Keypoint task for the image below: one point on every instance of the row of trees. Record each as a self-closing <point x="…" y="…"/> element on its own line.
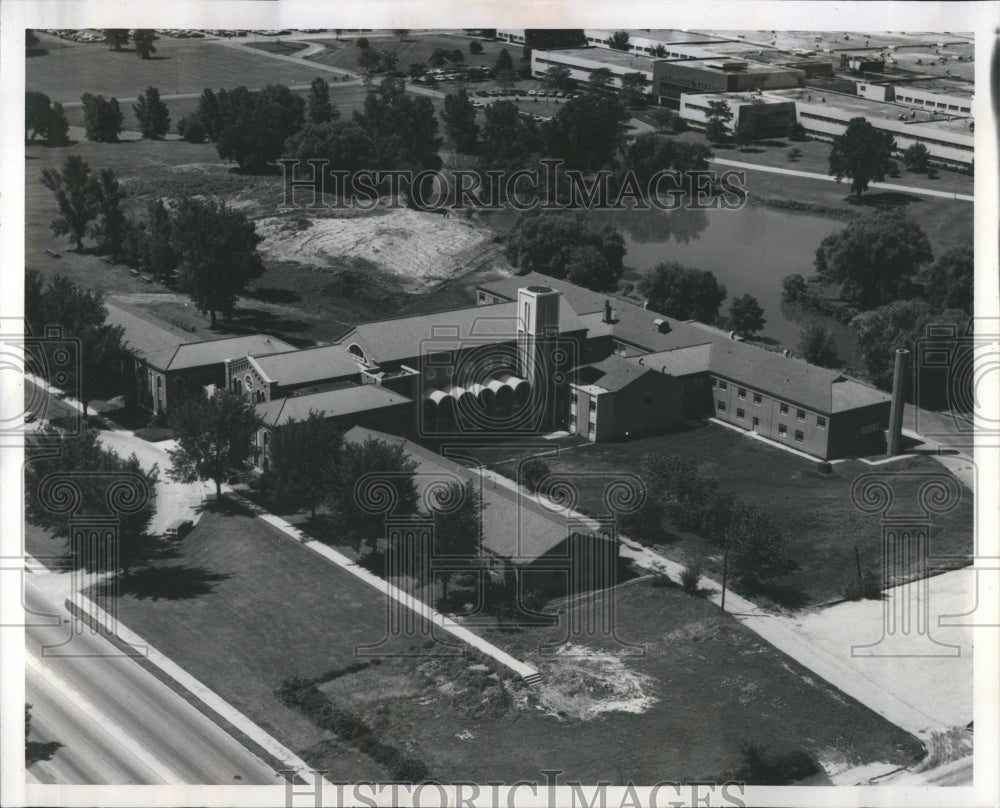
<point x="99" y="363"/>
<point x="212" y="247"/>
<point x="310" y="466"/>
<point x="678" y="496"/>
<point x="889" y="287"/>
<point x="142" y="39"/>
<point x="93" y="469"/>
<point x="42" y="117"/>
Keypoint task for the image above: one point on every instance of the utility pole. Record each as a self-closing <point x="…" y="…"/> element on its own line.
<point x="725" y="570"/>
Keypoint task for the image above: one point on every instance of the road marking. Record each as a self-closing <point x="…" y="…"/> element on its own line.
<point x="101" y="720"/>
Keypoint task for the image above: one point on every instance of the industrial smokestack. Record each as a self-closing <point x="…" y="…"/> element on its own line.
<point x="895" y="436"/>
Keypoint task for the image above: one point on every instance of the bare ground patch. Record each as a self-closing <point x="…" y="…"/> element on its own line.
<point x="417" y="248"/>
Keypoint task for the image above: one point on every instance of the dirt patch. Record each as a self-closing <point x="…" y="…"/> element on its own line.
<point x="583" y="684"/>
<point x="417" y="248"/>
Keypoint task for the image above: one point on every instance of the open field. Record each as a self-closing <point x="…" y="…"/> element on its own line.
<point x="179" y="66"/>
<point x="242" y="607"/>
<point x="681" y="711"/>
<point x="820" y="524"/>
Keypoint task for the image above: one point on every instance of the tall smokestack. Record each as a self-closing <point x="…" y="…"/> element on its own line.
<point x="895" y="437"/>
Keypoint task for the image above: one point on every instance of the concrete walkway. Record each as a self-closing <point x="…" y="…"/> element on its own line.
<point x="881" y="186"/>
<point x="830" y="660"/>
<point x="400" y="596"/>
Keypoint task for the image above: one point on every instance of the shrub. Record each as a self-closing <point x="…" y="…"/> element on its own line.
<point x="758" y="768"/>
<point x="533" y="471"/>
<point x="794" y="153"/>
<point x="410" y="770"/>
<point x="825" y="468"/>
<point x="294" y="690"/>
<point x="690" y="576"/>
<point x="475" y="47"/>
<point x="868" y="588"/>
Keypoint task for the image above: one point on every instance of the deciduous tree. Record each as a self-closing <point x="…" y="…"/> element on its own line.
<point x="545" y="242"/>
<point x="217" y="247"/>
<point x="144" y="39"/>
<point x="816" y="345"/>
<point x="57" y="128"/>
<point x="950" y="282"/>
<point x="36" y="114"/>
<point x="862" y="154"/>
<point x="152" y="114"/>
<point x="457" y="510"/>
<point x="372" y="463"/>
<point x="214" y="437"/>
<point x="320" y="108"/>
<point x="682" y="292"/>
<point x="587" y="132"/>
<point x="94" y="469"/>
<point x="460" y="122"/>
<point x="746" y="315"/>
<point x="874" y="258"/>
<point x="73" y="187"/>
<point x="102" y="118"/>
<point x="717" y="120"/>
<point x="256" y="124"/>
<point x="619" y="40"/>
<point x="116" y="38"/>
<point x="302" y="463"/>
<point x="109" y="228"/>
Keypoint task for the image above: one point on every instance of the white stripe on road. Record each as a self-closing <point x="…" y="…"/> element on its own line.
<point x="101" y="720"/>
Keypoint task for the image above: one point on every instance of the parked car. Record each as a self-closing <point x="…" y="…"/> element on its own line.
<point x="178" y="529"/>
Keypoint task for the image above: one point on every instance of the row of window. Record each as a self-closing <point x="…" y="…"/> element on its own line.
<point x="758" y="400"/>
<point x="906" y="99"/>
<point x="921" y="138"/>
<point x="741" y="415"/>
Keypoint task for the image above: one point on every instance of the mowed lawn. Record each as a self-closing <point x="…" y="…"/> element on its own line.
<point x="704" y="686"/>
<point x="179" y="66"/>
<point x="820" y="523"/>
<point x="242" y="607"/>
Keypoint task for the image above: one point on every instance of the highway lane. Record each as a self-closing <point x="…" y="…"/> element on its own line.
<point x="117" y="722"/>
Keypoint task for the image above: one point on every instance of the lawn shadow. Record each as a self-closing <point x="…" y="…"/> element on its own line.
<point x="269" y="294"/>
<point x="36" y="751"/>
<point x="788" y="596"/>
<point x="884" y="199"/>
<point x="179" y="582"/>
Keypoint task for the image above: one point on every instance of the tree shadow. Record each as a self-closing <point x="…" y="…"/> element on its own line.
<point x="884" y="199"/>
<point x="789" y="596"/>
<point x="36" y="751"/>
<point x="252" y="321"/>
<point x="270" y="294"/>
<point x="176" y="582"/>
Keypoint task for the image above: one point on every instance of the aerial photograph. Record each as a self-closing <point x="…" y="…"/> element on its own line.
<point x="552" y="407"/>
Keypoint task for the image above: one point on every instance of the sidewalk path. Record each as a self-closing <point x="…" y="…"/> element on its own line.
<point x="868" y="680"/>
<point x="883" y="186"/>
<point x="400" y="596"/>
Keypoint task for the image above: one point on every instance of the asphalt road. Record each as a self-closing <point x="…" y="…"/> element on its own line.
<point x="117" y="723"/>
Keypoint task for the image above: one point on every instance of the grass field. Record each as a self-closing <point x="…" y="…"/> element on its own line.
<point x="703" y="687"/>
<point x="242" y="607"/>
<point x="179" y="66"/>
<point x="815" y="513"/>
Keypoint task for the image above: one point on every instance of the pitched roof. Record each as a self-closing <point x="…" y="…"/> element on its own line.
<point x="611" y="374"/>
<point x="215" y="351"/>
<point x="515" y="526"/>
<point x="678" y="361"/>
<point x="334" y="403"/>
<point x="583" y="301"/>
<point x="410" y="337"/>
<point x="145" y="333"/>
<point x="307" y="365"/>
<point x="658" y="336"/>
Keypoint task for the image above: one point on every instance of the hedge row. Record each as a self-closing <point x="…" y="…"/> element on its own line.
<point x="303" y="695"/>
